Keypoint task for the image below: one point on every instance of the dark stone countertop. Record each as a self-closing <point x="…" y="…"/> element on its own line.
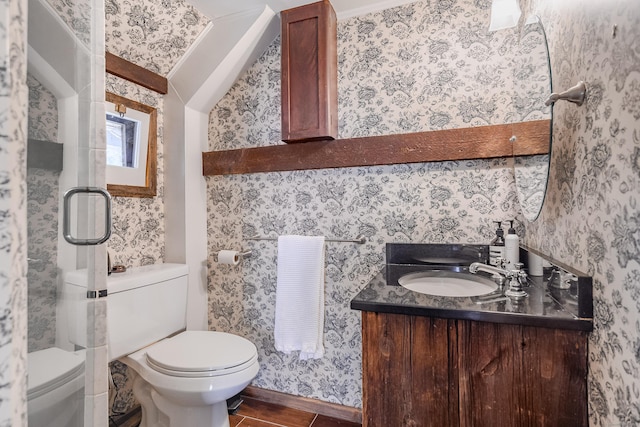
<point x="544" y="306"/>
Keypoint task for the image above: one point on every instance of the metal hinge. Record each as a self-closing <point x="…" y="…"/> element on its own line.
<point x="97" y="294"/>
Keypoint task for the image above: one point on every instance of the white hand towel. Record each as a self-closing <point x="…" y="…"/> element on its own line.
<point x="300" y="296"/>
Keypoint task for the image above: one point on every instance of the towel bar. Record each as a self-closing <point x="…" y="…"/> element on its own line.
<point x="360" y="239"/>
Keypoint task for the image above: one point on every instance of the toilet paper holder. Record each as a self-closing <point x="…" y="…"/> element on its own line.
<point x="231" y="256"/>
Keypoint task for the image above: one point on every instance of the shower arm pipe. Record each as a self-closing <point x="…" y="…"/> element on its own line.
<point x="360" y="239"/>
<point x="575" y="94"/>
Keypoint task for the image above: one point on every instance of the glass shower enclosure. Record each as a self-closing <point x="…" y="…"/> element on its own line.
<point x="67" y="226"/>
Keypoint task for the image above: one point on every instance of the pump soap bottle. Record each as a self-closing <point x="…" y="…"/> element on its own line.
<point x="497" y="248"/>
<point x="512" y="248"/>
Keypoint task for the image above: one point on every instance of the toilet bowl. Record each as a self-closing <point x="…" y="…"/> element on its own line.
<point x="181" y="378"/>
<point x="55" y="388"/>
<point x="190" y="377"/>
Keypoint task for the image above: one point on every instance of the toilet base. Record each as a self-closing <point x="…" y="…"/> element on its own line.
<point x="158" y="411"/>
<point x="211" y="415"/>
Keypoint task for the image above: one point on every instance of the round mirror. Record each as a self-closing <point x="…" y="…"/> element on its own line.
<point x="532" y="79"/>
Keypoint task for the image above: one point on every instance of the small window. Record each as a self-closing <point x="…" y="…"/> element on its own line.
<point x="131" y="147"/>
<point x="123" y="140"/>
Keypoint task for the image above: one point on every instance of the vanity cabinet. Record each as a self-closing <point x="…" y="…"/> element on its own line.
<point x="424" y="371"/>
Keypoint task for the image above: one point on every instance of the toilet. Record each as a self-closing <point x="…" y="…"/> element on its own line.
<point x="182" y="378"/>
<point x="55" y="388"/>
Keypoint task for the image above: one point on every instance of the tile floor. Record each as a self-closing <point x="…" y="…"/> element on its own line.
<point x="255" y="413"/>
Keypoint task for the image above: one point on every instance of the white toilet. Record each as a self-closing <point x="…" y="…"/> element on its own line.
<point x="182" y="379"/>
<point x="55" y="388"/>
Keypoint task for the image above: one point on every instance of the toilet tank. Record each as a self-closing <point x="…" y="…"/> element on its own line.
<point x="144" y="305"/>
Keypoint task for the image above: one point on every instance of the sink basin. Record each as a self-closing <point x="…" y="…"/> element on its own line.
<point x="448" y="283"/>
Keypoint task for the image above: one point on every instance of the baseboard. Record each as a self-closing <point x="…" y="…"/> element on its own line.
<point x="316" y="406"/>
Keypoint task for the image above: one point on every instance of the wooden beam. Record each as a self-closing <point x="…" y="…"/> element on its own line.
<point x="135" y="73"/>
<point x="532" y="138"/>
<point x="482" y="142"/>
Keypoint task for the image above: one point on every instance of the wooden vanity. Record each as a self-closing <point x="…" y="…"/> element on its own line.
<point x="444" y="362"/>
<point x="423" y="371"/>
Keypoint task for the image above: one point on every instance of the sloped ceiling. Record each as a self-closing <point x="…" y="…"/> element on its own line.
<point x="344" y="8"/>
<point x="156" y="34"/>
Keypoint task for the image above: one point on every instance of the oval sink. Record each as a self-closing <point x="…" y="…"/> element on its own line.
<point x="447" y="283"/>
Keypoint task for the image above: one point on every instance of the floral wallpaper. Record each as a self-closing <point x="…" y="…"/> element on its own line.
<point x="42" y="223"/>
<point x="43" y="112"/>
<point x="13" y="206"/>
<point x="153" y="34"/>
<point x="426" y="65"/>
<point x="591" y="218"/>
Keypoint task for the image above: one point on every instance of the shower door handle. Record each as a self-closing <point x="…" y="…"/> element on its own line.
<point x="66" y="216"/>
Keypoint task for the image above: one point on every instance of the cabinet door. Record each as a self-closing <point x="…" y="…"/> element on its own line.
<point x="406" y="380"/>
<point x="521" y="376"/>
<point x="309" y="73"/>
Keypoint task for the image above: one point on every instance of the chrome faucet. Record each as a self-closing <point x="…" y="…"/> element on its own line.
<point x="478" y="266"/>
<point x="517" y="278"/>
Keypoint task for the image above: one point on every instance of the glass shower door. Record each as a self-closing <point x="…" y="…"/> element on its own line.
<point x="65" y="151"/>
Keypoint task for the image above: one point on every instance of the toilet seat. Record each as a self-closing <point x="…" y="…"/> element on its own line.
<point x="201" y="354"/>
<point x="51" y="368"/>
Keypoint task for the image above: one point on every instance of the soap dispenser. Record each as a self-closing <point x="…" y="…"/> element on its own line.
<point x="512" y="248"/>
<point x="497" y="247"/>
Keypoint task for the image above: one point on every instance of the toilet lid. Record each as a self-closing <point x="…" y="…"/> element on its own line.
<point x="201" y="353"/>
<point x="50" y="368"/>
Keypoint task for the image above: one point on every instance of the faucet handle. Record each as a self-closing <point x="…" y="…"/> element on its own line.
<point x="520" y="275"/>
<point x="517" y="282"/>
<point x="517" y="270"/>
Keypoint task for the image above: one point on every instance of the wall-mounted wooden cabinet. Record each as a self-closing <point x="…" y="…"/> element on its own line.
<point x="421" y="371"/>
<point x="309" y="73"/>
